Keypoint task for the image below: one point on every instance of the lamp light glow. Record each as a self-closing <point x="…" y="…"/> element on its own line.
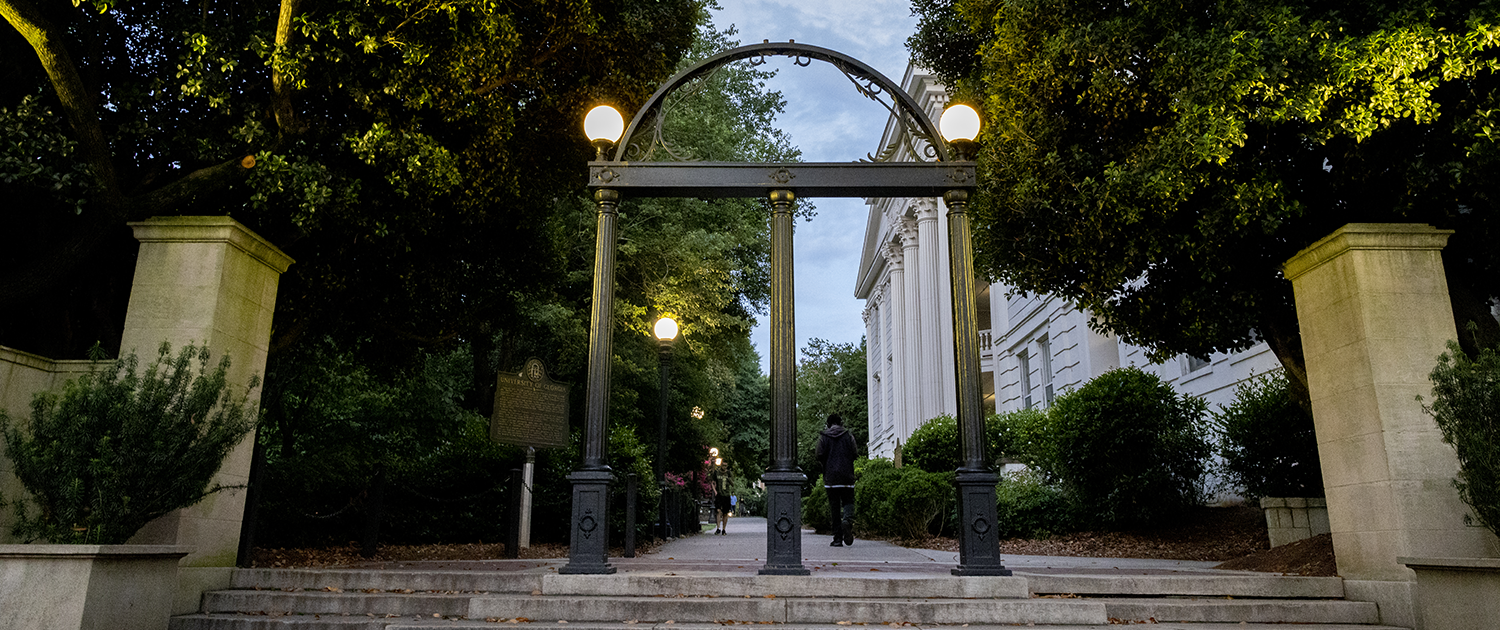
<point x="713" y="452"/>
<point x="666" y="329"/>
<point x="959" y="122"/>
<point x="604" y="124"/>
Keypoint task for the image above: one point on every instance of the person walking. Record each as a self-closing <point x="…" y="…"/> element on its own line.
<point x="722" y="501"/>
<point x="836" y="453"/>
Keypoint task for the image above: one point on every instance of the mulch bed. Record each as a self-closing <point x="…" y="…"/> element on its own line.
<point x="1235" y="535"/>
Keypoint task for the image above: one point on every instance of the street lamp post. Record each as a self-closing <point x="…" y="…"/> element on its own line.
<point x="588" y="548"/>
<point x="666" y="333"/>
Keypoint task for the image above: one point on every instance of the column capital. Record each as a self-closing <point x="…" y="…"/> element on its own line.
<point x="908" y="232"/>
<point x="893" y="255"/>
<point x="925" y="210"/>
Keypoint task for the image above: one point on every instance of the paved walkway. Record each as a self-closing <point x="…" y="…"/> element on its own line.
<point x="744" y="550"/>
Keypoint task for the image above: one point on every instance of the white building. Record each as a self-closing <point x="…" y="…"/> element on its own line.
<point x="1032" y="347"/>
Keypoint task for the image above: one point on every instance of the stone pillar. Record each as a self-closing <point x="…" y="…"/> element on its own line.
<point x="1372" y="303"/>
<point x="933" y="353"/>
<point x="205" y="280"/>
<point x="898" y="378"/>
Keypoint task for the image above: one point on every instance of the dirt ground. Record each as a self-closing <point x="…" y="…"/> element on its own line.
<point x="1234" y="535"/>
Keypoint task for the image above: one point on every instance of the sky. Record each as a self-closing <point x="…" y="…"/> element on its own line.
<point x="830" y="122"/>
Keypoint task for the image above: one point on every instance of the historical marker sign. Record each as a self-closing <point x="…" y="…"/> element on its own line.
<point x="530" y="409"/>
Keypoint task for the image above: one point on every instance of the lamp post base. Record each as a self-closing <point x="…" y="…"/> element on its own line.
<point x="784" y="524"/>
<point x="978" y="544"/>
<point x="588" y="549"/>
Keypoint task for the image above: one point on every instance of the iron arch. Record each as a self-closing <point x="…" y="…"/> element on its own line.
<point x="867" y="81"/>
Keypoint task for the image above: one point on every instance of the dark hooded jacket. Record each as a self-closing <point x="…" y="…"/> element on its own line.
<point x="836" y="454"/>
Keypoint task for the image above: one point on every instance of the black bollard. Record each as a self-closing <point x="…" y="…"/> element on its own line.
<point x="630" y="515"/>
<point x="513" y="535"/>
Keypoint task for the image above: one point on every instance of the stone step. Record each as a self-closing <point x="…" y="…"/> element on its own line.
<point x="364" y="579"/>
<point x="311" y="622"/>
<point x="871" y="585"/>
<point x="767" y="609"/>
<point x="1269" y="586"/>
<point x="1202" y="610"/>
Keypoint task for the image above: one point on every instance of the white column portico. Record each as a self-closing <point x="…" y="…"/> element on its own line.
<point x="895" y="262"/>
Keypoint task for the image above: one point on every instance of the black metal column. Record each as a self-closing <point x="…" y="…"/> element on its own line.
<point x="978" y="544"/>
<point x="588" y="549"/>
<point x="664" y="360"/>
<point x="783" y="479"/>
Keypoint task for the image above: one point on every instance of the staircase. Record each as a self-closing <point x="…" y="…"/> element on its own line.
<point x="263" y="599"/>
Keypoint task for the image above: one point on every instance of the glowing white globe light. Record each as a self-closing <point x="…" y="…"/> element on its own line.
<point x="603" y="123"/>
<point x="959" y="122"/>
<point x="666" y="329"/>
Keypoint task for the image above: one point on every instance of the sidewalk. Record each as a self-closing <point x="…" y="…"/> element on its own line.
<point x="744" y="550"/>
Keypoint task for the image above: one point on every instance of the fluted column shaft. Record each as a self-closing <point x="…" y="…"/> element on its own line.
<point x="931" y="378"/>
<point x="783" y="479"/>
<point x="911" y="336"/>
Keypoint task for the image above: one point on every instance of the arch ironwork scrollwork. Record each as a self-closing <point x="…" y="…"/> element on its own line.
<point x="644" y="136"/>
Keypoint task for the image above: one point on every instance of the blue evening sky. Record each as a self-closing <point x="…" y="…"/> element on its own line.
<point x="830" y="122"/>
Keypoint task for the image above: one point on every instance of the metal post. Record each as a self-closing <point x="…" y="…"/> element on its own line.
<point x="664" y="360"/>
<point x="630" y="505"/>
<point x="978" y="544"/>
<point x="588" y="550"/>
<point x="783" y="479"/>
<point x="513" y="533"/>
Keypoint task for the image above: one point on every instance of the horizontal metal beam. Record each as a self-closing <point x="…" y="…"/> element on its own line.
<point x="805" y="179"/>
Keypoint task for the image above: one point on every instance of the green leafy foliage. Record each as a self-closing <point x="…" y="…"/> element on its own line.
<point x="1029" y="506"/>
<point x="1156" y="162"/>
<point x="1127" y="447"/>
<point x="1267" y="441"/>
<point x="118" y="447"/>
<point x="1466" y="405"/>
<point x="937" y="447"/>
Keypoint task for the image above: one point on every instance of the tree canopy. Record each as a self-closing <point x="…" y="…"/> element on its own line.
<point x="1156" y="162"/>
<point x="407" y="154"/>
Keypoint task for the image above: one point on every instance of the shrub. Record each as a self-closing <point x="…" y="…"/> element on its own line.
<point x="1126" y="447"/>
<point x="900" y="502"/>
<point x="1268" y="443"/>
<point x="118" y="449"/>
<point x="1466" y="405"/>
<point x="936" y="447"/>
<point x="1029" y="507"/>
<point x="815" y="509"/>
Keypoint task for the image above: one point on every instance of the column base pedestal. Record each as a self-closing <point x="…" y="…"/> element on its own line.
<point x="978" y="544"/>
<point x="784" y="524"/>
<point x="588" y="547"/>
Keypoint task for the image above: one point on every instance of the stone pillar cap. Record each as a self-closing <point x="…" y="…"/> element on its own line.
<point x="220" y="229"/>
<point x="1402" y="236"/>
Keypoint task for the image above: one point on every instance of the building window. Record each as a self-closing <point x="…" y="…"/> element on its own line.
<point x="1196" y="363"/>
<point x="1025" y="363"/>
<point x="1044" y="350"/>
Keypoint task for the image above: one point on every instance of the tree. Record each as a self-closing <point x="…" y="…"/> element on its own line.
<point x="831" y="379"/>
<point x="1156" y="162"/>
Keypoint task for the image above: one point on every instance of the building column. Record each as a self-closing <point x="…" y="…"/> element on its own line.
<point x="899" y="375"/>
<point x="206" y="281"/>
<point x="948" y="399"/>
<point x="872" y="384"/>
<point x="1372" y="303"/>
<point x="933" y="352"/>
<point x="912" y="323"/>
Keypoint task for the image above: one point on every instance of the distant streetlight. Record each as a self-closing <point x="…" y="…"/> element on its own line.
<point x="697" y="413"/>
<point x="666" y="334"/>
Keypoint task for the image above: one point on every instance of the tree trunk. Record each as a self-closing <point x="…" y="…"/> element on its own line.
<point x="374" y="511"/>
